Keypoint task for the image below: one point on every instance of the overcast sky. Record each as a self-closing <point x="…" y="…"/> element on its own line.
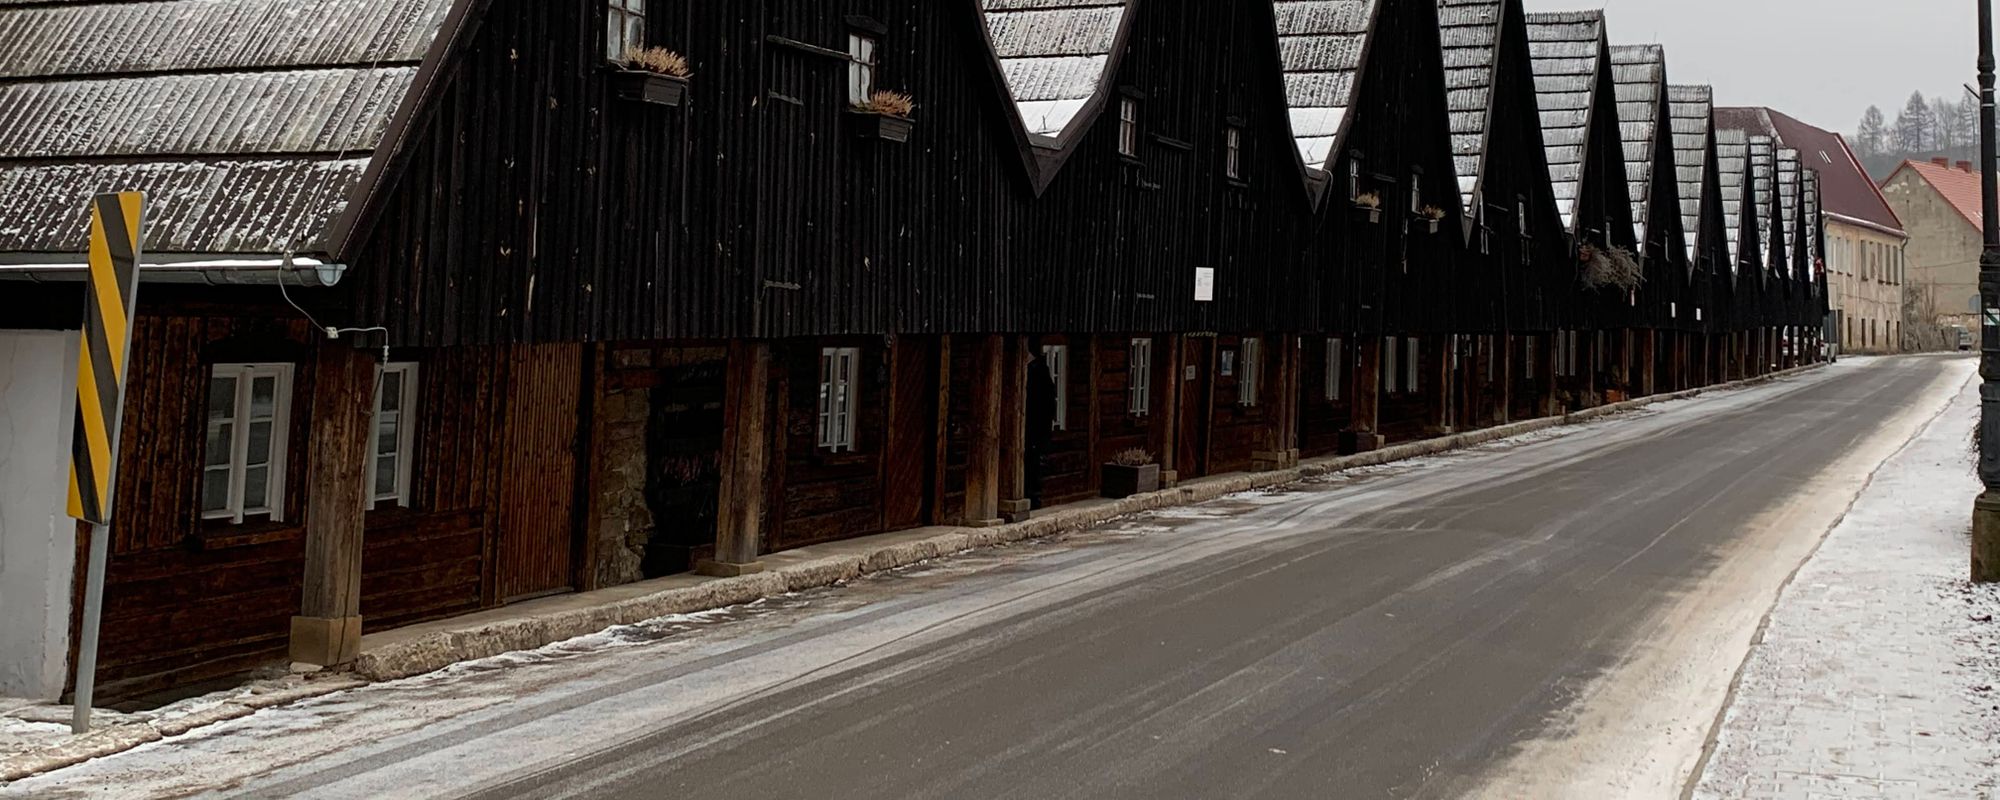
<point x="1823" y="61"/>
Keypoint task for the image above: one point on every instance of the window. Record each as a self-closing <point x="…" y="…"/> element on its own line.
<point x="1128" y="127"/>
<point x="389" y="466"/>
<point x="1056" y="356"/>
<point x="1333" y="365"/>
<point x="1354" y="177"/>
<point x="243" y="472"/>
<point x="860" y="68"/>
<point x="1416" y="194"/>
<point x="1389" y="373"/>
<point x="1139" y="377"/>
<point x="838" y="367"/>
<point x="1246" y="387"/>
<point x="1232" y="152"/>
<point x="1413" y="363"/>
<point x="624" y="27"/>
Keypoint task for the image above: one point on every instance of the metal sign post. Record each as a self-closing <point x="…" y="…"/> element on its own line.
<point x="110" y="301"/>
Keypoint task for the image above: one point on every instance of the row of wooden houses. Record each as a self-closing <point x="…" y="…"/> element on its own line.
<point x="445" y="308"/>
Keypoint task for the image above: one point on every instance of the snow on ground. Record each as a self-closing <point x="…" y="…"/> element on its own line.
<point x="1875" y="673"/>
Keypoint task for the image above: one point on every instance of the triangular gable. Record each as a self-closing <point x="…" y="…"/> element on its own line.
<point x="1763" y="193"/>
<point x="1693" y="123"/>
<point x="1640" y="73"/>
<point x="1788" y="204"/>
<point x="1471" y="31"/>
<point x="1056" y="56"/>
<point x="1732" y="153"/>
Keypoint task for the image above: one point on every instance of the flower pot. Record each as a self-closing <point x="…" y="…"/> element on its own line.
<point x="1374" y="214"/>
<point x="871" y="125"/>
<point x="1433" y="224"/>
<point x="649" y="87"/>
<point x="1122" y="481"/>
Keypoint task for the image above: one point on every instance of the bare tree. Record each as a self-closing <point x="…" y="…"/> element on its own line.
<point x="1913" y="126"/>
<point x="1945" y="122"/>
<point x="1872" y="137"/>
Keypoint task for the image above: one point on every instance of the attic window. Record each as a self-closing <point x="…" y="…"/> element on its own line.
<point x="1232" y="152"/>
<point x="1354" y="177"/>
<point x="1128" y="127"/>
<point x="860" y="68"/>
<point x="624" y="27"/>
<point x="1417" y="193"/>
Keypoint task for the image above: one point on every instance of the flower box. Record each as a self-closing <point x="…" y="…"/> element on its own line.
<point x="1122" y="481"/>
<point x="874" y="125"/>
<point x="649" y="87"/>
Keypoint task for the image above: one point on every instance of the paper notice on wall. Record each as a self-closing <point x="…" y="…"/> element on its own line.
<point x="1204" y="284"/>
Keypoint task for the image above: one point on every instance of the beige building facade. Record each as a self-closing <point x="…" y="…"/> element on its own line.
<point x="1866" y="268"/>
<point x="1938" y="202"/>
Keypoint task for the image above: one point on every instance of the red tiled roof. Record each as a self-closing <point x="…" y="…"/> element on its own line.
<point x="1958" y="185"/>
<point x="1844" y="183"/>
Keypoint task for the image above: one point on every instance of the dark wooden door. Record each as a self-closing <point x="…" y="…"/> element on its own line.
<point x="683" y="471"/>
<point x="909" y="462"/>
<point x="535" y="534"/>
<point x="1194" y="378"/>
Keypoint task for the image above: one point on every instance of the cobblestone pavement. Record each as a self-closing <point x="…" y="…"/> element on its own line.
<point x="1875" y="674"/>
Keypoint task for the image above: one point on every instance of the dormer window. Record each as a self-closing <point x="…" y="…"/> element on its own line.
<point x="1128" y="127"/>
<point x="861" y="49"/>
<point x="624" y="28"/>
<point x="1354" y="177"/>
<point x="1232" y="152"/>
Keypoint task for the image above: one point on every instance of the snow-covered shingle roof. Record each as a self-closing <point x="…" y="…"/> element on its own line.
<point x="1788" y="201"/>
<point x="1693" y="120"/>
<point x="1732" y="157"/>
<point x="1640" y="72"/>
<point x="1471" y="33"/>
<point x="1566" y="46"/>
<point x="1054" y="54"/>
<point x="1763" y="188"/>
<point x="248" y="123"/>
<point x="1809" y="191"/>
<point x="1320" y="43"/>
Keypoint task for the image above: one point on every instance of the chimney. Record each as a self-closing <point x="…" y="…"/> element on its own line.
<point x="1965" y="166"/>
<point x="1942" y="161"/>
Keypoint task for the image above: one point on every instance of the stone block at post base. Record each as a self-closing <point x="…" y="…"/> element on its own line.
<point x="1986" y="538"/>
<point x="1352" y="442"/>
<point x="1170" y="478"/>
<point x="325" y="642"/>
<point x="1016" y="510"/>
<point x="726" y="569"/>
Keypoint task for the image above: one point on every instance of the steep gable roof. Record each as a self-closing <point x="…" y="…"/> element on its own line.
<point x="1640" y="73"/>
<point x="1055" y="55"/>
<point x="1322" y="44"/>
<point x="1763" y="184"/>
<point x="1471" y="32"/>
<point x="1959" y="186"/>
<point x="249" y="124"/>
<point x="1693" y="122"/>
<point x="1809" y="191"/>
<point x="1788" y="198"/>
<point x="1732" y="155"/>
<point x="1566" y="46"/>
<point x="1847" y="190"/>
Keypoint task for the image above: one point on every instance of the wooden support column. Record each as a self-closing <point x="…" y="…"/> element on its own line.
<point x="1438" y="377"/>
<point x="1504" y="351"/>
<point x="1586" y="363"/>
<point x="982" y="461"/>
<point x="1363" y="434"/>
<point x="327" y="631"/>
<point x="1014" y="503"/>
<point x="1550" y="346"/>
<point x="1168" y="421"/>
<point x="1279" y="374"/>
<point x="746" y="447"/>
<point x="1649" y="354"/>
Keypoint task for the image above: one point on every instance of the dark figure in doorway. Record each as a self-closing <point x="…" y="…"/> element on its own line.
<point x="1041" y="422"/>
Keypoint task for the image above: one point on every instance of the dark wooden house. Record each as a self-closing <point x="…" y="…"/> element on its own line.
<point x="1655" y="342"/>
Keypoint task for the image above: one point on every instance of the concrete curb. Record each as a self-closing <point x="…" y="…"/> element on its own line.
<point x="120" y="738"/>
<point x="442" y="649"/>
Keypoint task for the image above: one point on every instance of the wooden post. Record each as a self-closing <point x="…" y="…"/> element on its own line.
<point x="1169" y="419"/>
<point x="327" y="631"/>
<point x="1278" y="375"/>
<point x="1439" y="376"/>
<point x="746" y="446"/>
<point x="1649" y="354"/>
<point x="1548" y="403"/>
<point x="1014" y="506"/>
<point x="1505" y="352"/>
<point x="982" y="461"/>
<point x="1362" y="434"/>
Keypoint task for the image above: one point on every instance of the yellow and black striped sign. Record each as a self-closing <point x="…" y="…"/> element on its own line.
<point x="107" y="340"/>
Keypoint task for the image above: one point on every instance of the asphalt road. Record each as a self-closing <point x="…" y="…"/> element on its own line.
<point x="1398" y="632"/>
<point x="1338" y="660"/>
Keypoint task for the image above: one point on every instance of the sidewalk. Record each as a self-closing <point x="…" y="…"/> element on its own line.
<point x="1875" y="674"/>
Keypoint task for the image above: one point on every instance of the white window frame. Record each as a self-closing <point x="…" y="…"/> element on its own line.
<point x="1414" y="364"/>
<point x="1139" y="378"/>
<point x="1416" y="194"/>
<point x="244" y="377"/>
<point x="1389" y="372"/>
<point x="1334" y="356"/>
<point x="1232" y="152"/>
<point x="1528" y="358"/>
<point x="1128" y="127"/>
<point x="406" y="432"/>
<point x="1056" y="358"/>
<point x="839" y="371"/>
<point x="624" y="21"/>
<point x="863" y="56"/>
<point x="1246" y="386"/>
